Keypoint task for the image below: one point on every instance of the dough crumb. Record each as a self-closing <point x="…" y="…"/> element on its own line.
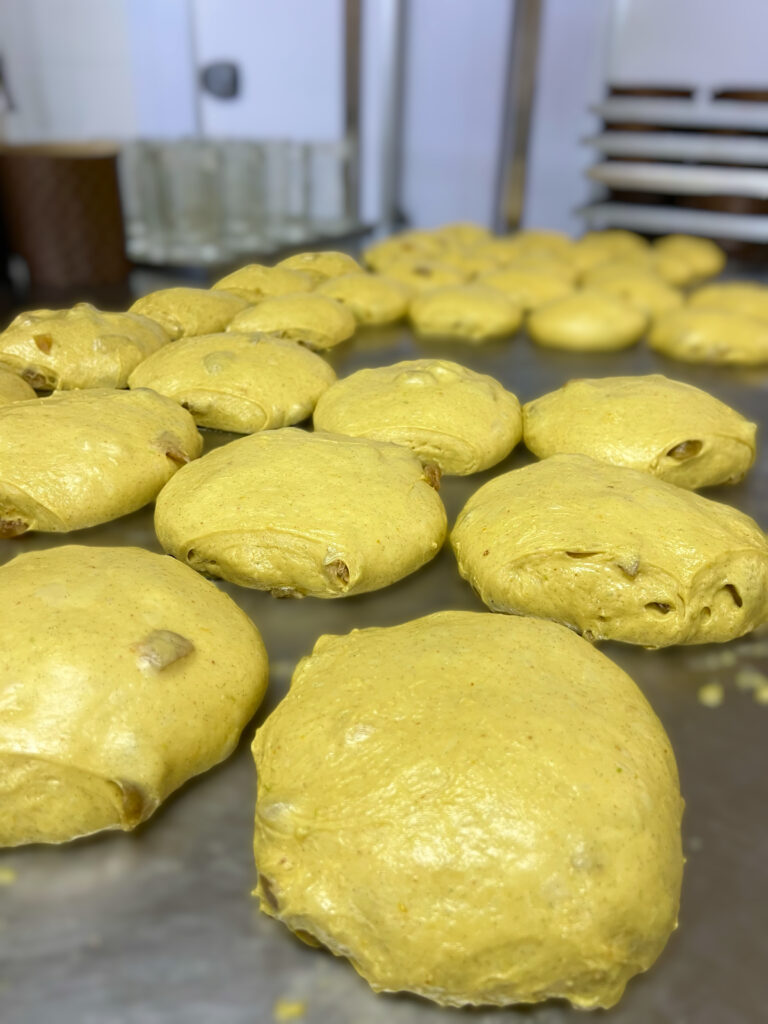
<point x="711" y="695"/>
<point x="289" y="1009"/>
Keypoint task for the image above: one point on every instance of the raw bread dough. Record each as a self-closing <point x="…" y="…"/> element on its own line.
<point x="370" y="298"/>
<point x="641" y="288"/>
<point x="315" y="320"/>
<point x="614" y="243"/>
<point x="421" y="274"/>
<point x="256" y="282"/>
<point x="82" y="347"/>
<point x="705" y="257"/>
<point x="463" y="233"/>
<point x="475" y="808"/>
<point x="528" y="288"/>
<point x="660" y="426"/>
<point x="238" y="382"/>
<point x="124" y="675"/>
<point x="303" y="514"/>
<point x="319" y="266"/>
<point x="703" y="335"/>
<point x="471" y="312"/>
<point x="13" y="388"/>
<point x="588" y="321"/>
<point x="84" y="457"/>
<point x="745" y="297"/>
<point x="188" y="311"/>
<point x="614" y="553"/>
<point x="461" y="420"/>
<point x="675" y="271"/>
<point x="422" y="245"/>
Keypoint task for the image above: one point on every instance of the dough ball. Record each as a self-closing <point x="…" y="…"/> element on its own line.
<point x="509" y="255"/>
<point x="238" y="382"/>
<point x="470" y="263"/>
<point x="527" y="288"/>
<point x="461" y="420"/>
<point x="463" y="233"/>
<point x="314" y="320"/>
<point x="256" y="282"/>
<point x="319" y="266"/>
<point x="370" y="298"/>
<point x="182" y="312"/>
<point x="745" y="297"/>
<point x="613" y="553"/>
<point x="471" y="312"/>
<point x="81" y="347"/>
<point x="527" y="245"/>
<point x="643" y="289"/>
<point x="420" y="274"/>
<point x="475" y="808"/>
<point x="303" y="514"/>
<point x="419" y="244"/>
<point x="125" y="675"/>
<point x="703" y="335"/>
<point x="84" y="457"/>
<point x="705" y="257"/>
<point x="588" y="321"/>
<point x="614" y="243"/>
<point x="660" y="426"/>
<point x="13" y="388"/>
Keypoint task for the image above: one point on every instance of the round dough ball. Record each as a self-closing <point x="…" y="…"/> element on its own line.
<point x="80" y="458"/>
<point x="463" y="233"/>
<point x="312" y="319"/>
<point x="470" y="263"/>
<point x="705" y="257"/>
<point x="420" y="244"/>
<point x="745" y="297"/>
<point x="370" y="298"/>
<point x="588" y="321"/>
<point x="613" y="553"/>
<point x="238" y="382"/>
<point x="471" y="312"/>
<point x="303" y="514"/>
<point x="419" y="274"/>
<point x="125" y="674"/>
<point x="664" y="267"/>
<point x="703" y="335"/>
<point x="461" y="420"/>
<point x="256" y="282"/>
<point x="476" y="808"/>
<point x="13" y="388"/>
<point x="527" y="288"/>
<point x="82" y="347"/>
<point x="643" y="289"/>
<point x="182" y="312"/>
<point x="319" y="266"/>
<point x="660" y="426"/>
<point x="614" y="242"/>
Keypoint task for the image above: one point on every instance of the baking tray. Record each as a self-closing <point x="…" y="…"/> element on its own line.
<point x="158" y="927"/>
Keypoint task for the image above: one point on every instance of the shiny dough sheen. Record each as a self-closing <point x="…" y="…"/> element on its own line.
<point x="188" y="311"/>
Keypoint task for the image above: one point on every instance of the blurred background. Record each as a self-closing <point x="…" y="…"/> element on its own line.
<point x="178" y="138"/>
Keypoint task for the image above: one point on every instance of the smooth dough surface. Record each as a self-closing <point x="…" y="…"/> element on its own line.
<point x="527" y="288"/>
<point x="256" y="282"/>
<point x="238" y="382"/>
<point x="79" y="458"/>
<point x="702" y="335"/>
<point x="303" y="514"/>
<point x="476" y="808"/>
<point x="588" y="321"/>
<point x="745" y="297"/>
<point x="704" y="255"/>
<point x="424" y="245"/>
<point x="643" y="289"/>
<point x="660" y="426"/>
<point x="14" y="388"/>
<point x="125" y="674"/>
<point x="370" y="298"/>
<point x="81" y="347"/>
<point x="471" y="312"/>
<point x="614" y="553"/>
<point x="190" y="311"/>
<point x="319" y="266"/>
<point x="447" y="414"/>
<point x="463" y="233"/>
<point x="315" y="320"/>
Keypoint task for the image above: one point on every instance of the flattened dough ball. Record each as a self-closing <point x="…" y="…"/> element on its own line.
<point x="471" y="312"/>
<point x="653" y="424"/>
<point x="125" y="674"/>
<point x="461" y="420"/>
<point x="14" y="388"/>
<point x="303" y="514"/>
<point x="643" y="289"/>
<point x="238" y="382"/>
<point x="745" y="297"/>
<point x="370" y="298"/>
<point x="421" y="274"/>
<point x="527" y="288"/>
<point x="256" y="282"/>
<point x="702" y="335"/>
<point x="613" y="553"/>
<point x="705" y="257"/>
<point x="319" y="266"/>
<point x="81" y="347"/>
<point x="476" y="808"/>
<point x="315" y="320"/>
<point x="588" y="321"/>
<point x="190" y="311"/>
<point x="79" y="458"/>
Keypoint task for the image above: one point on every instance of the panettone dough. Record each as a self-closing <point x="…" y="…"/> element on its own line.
<point x="705" y="256"/>
<point x="703" y="335"/>
<point x="14" y="388"/>
<point x="643" y="289"/>
<point x="472" y="312"/>
<point x="313" y="319"/>
<point x="319" y="266"/>
<point x="182" y="312"/>
<point x="527" y="287"/>
<point x="588" y="321"/>
<point x="256" y="282"/>
<point x="745" y="297"/>
<point x="370" y="298"/>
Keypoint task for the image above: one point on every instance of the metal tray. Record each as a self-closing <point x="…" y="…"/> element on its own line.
<point x="157" y="927"/>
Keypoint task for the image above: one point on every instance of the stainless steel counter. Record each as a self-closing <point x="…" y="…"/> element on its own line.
<point x="157" y="927"/>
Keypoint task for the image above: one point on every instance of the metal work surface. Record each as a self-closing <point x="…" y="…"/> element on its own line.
<point x="158" y="927"/>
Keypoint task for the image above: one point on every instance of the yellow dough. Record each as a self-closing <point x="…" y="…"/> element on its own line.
<point x="315" y="320"/>
<point x="660" y="426"/>
<point x="588" y="321"/>
<point x="475" y="808"/>
<point x="461" y="420"/>
<point x="303" y="514"/>
<point x="463" y="233"/>
<point x="527" y="288"/>
<point x="81" y="347"/>
<point x="702" y="335"/>
<point x="420" y="274"/>
<point x="419" y="244"/>
<point x="471" y="312"/>
<point x="190" y="311"/>
<point x="84" y="457"/>
<point x="319" y="266"/>
<point x="256" y="282"/>
<point x="643" y="289"/>
<point x="705" y="257"/>
<point x="125" y="674"/>
<point x="614" y="243"/>
<point x="13" y="388"/>
<point x="238" y="382"/>
<point x="470" y="263"/>
<point x="370" y="298"/>
<point x="614" y="553"/>
<point x="743" y="297"/>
